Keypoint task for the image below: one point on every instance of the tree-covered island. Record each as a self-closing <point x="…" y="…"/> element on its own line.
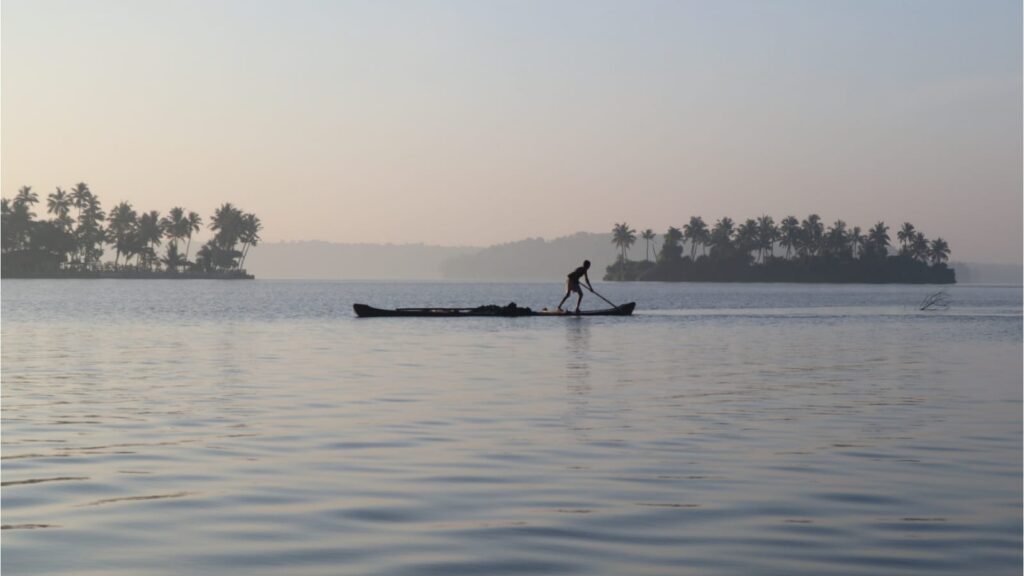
<point x="73" y="241"/>
<point x="727" y="252"/>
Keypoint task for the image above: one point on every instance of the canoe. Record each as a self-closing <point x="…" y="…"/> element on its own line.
<point x="364" y="311"/>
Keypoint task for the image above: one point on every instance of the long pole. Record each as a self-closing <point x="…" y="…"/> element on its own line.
<point x="603" y="298"/>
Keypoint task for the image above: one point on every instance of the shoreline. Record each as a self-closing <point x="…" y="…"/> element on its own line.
<point x="127" y="275"/>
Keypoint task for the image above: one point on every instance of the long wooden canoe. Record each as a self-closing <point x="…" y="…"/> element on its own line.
<point x="364" y="311"/>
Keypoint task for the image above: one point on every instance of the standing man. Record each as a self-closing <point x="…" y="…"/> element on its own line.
<point x="572" y="284"/>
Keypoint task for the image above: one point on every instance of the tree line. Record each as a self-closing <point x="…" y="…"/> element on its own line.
<point x="813" y="252"/>
<point x="76" y="236"/>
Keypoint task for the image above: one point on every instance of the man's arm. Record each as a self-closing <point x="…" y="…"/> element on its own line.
<point x="586" y="277"/>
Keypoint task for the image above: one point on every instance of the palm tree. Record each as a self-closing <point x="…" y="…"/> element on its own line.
<point x="696" y="232"/>
<point x="9" y="235"/>
<point x="721" y="236"/>
<point x="59" y="203"/>
<point x="205" y="257"/>
<point x="174" y="226"/>
<point x="939" y="251"/>
<point x="856" y="241"/>
<point x="26" y="196"/>
<point x="18" y="222"/>
<point x="623" y="236"/>
<point x="174" y="259"/>
<point x="250" y="235"/>
<point x="837" y="239"/>
<point x="149" y="233"/>
<point x="670" y="248"/>
<point x="919" y="247"/>
<point x="193" y="222"/>
<point x="905" y="236"/>
<point x="812" y="232"/>
<point x="90" y="232"/>
<point x="789" y="233"/>
<point x="227" y="223"/>
<point x="746" y="236"/>
<point x="122" y="230"/>
<point x="767" y="234"/>
<point x="647" y="235"/>
<point x="80" y="195"/>
<point x="878" y="240"/>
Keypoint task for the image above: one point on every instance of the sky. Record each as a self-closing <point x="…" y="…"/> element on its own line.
<point x="485" y="121"/>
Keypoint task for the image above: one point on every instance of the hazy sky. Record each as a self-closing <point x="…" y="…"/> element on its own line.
<point x="475" y="122"/>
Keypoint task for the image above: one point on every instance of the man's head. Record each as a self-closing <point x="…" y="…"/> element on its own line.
<point x="586" y="264"/>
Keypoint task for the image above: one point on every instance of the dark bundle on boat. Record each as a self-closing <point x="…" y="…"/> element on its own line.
<point x="509" y="310"/>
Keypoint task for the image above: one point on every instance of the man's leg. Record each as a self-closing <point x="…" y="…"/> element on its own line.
<point x="579" y="300"/>
<point x="567" y="293"/>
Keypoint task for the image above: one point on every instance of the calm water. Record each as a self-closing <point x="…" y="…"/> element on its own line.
<point x="258" y="427"/>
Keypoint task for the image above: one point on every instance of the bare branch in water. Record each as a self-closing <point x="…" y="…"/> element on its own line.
<point x="937" y="301"/>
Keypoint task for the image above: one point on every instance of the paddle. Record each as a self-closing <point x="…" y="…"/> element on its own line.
<point x="603" y="298"/>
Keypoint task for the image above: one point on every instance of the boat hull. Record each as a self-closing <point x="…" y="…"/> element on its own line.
<point x="365" y="311"/>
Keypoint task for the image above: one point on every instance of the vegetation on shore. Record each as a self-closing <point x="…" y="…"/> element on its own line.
<point x="813" y="253"/>
<point x="72" y="245"/>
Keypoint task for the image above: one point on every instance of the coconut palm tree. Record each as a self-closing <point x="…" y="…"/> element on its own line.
<point x="205" y="257"/>
<point x="90" y="233"/>
<point x="721" y="236"/>
<point x="938" y="251"/>
<point x="919" y="247"/>
<point x="18" y="223"/>
<point x="174" y="227"/>
<point x="878" y="240"/>
<point x="80" y="195"/>
<point x="193" y="224"/>
<point x="250" y="235"/>
<point x="174" y="259"/>
<point x="59" y="204"/>
<point x="623" y="237"/>
<point x="856" y="241"/>
<point x="789" y="233"/>
<point x="905" y="236"/>
<point x="26" y="196"/>
<point x="746" y="236"/>
<point x="812" y="233"/>
<point x="121" y="229"/>
<point x="647" y="235"/>
<point x="837" y="239"/>
<point x="149" y="233"/>
<point x="227" y="224"/>
<point x="767" y="234"/>
<point x="9" y="234"/>
<point x="696" y="233"/>
<point x="671" y="248"/>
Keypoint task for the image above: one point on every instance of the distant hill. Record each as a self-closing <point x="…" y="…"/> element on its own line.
<point x="530" y="259"/>
<point x="986" y="273"/>
<point x="537" y="259"/>
<point x="327" y="260"/>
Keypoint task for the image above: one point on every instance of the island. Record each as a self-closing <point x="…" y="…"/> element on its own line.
<point x="812" y="253"/>
<point x="73" y="245"/>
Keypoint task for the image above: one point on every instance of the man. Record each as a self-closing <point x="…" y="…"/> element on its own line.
<point x="572" y="284"/>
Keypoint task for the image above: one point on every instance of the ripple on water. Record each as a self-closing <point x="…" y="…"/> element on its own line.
<point x="258" y="428"/>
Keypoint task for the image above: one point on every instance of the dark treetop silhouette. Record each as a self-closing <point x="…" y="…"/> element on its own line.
<point x="71" y="247"/>
<point x="813" y="253"/>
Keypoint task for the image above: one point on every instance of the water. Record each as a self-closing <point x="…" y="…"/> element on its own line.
<point x="160" y="427"/>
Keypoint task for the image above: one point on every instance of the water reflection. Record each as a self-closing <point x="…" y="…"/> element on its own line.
<point x="577" y="348"/>
<point x="577" y="375"/>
